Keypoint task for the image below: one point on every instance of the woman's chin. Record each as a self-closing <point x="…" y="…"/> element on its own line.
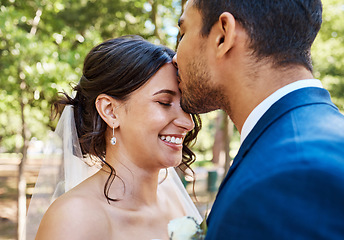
<point x="172" y="162"/>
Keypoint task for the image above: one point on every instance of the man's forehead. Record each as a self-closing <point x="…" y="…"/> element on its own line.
<point x="189" y="4"/>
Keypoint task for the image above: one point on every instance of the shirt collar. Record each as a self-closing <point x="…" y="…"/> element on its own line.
<point x="259" y="111"/>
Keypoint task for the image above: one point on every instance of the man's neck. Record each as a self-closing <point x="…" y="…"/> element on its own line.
<point x="256" y="87"/>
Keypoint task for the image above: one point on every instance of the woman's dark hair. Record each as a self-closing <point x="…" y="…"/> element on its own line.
<point x="283" y="30"/>
<point x="116" y="67"/>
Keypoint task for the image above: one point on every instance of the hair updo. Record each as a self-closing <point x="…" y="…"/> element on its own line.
<point x="117" y="67"/>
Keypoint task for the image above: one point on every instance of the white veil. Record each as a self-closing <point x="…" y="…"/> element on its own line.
<point x="59" y="173"/>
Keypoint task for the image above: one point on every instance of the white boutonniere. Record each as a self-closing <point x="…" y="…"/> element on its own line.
<point x="186" y="228"/>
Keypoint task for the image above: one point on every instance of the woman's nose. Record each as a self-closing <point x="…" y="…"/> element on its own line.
<point x="184" y="120"/>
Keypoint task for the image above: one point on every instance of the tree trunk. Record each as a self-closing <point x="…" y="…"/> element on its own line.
<point x="218" y="146"/>
<point x="21" y="177"/>
<point x="222" y="140"/>
<point x="227" y="137"/>
<point x="154" y="17"/>
<point x="21" y="228"/>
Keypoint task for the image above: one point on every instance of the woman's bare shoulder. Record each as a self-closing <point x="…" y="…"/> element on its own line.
<point x="74" y="215"/>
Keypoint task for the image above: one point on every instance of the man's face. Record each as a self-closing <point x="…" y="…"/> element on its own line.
<point x="199" y="92"/>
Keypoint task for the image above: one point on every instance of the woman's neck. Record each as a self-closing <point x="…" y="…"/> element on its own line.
<point x="134" y="186"/>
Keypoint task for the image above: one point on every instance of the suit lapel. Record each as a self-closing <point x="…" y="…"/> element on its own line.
<point x="295" y="99"/>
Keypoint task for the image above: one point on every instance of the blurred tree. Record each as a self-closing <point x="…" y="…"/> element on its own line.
<point x="29" y="72"/>
<point x="328" y="50"/>
<point x="51" y="56"/>
<point x="61" y="35"/>
<point x="222" y="140"/>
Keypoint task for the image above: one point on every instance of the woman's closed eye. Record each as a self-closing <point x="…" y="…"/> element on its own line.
<point x="166" y="104"/>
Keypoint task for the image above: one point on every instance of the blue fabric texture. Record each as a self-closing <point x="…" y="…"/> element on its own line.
<point x="287" y="180"/>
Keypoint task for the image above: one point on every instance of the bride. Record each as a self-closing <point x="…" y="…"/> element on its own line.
<point x="126" y="115"/>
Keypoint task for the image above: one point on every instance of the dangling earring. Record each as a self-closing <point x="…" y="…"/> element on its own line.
<point x="113" y="139"/>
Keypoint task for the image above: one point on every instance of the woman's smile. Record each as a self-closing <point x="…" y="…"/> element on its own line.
<point x="172" y="140"/>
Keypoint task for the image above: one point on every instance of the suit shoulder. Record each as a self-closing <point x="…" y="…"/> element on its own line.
<point x="303" y="203"/>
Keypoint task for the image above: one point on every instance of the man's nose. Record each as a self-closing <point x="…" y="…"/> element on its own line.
<point x="174" y="61"/>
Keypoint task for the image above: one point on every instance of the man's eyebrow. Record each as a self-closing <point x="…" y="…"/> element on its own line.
<point x="173" y="93"/>
<point x="180" y="22"/>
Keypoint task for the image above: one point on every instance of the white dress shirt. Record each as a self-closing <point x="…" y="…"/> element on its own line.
<point x="259" y="111"/>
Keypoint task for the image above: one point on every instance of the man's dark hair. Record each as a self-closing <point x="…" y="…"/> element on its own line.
<point x="282" y="30"/>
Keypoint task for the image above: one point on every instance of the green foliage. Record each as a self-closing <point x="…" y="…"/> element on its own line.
<point x="328" y="50"/>
<point x="43" y="44"/>
<point x="31" y="75"/>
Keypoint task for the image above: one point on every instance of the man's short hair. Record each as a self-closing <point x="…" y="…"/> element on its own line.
<point x="282" y="30"/>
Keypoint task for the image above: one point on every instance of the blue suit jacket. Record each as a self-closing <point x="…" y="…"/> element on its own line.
<point x="287" y="180"/>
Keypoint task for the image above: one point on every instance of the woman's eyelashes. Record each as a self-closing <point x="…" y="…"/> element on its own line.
<point x="166" y="104"/>
<point x="181" y="37"/>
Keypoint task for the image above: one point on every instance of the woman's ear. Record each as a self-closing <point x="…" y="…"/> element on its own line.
<point x="225" y="30"/>
<point x="106" y="107"/>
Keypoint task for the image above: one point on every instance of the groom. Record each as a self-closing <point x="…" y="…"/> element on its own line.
<point x="251" y="58"/>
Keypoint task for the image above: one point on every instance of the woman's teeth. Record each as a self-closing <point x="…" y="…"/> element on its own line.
<point x="170" y="139"/>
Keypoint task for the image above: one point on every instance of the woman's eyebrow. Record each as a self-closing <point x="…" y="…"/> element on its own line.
<point x="173" y="93"/>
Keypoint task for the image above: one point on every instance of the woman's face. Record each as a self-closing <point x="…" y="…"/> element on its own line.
<point x="152" y="123"/>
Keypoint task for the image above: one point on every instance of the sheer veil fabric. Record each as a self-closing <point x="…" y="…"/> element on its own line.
<point x="61" y="172"/>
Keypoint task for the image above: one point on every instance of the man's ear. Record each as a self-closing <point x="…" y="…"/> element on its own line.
<point x="106" y="107"/>
<point x="225" y="34"/>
